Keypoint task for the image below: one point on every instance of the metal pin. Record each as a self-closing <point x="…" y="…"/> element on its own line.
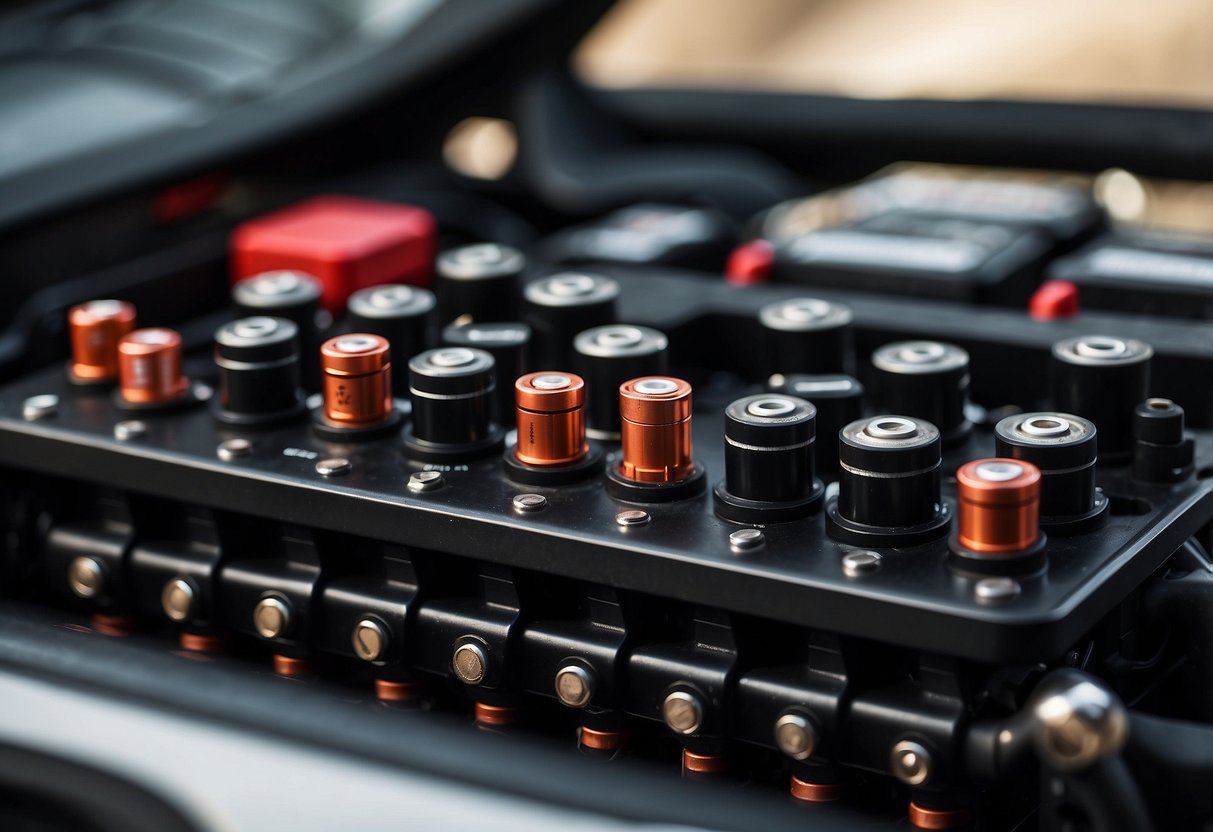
<point x="40" y="407"/>
<point x="574" y="686"/>
<point x="632" y="517"/>
<point x="470" y="663"/>
<point x="130" y="429"/>
<point x="855" y="564"/>
<point x="911" y="763"/>
<point x="996" y="590"/>
<point x="530" y="502"/>
<point x="179" y="599"/>
<point x="272" y="617"/>
<point x="747" y="540"/>
<point x="795" y="736"/>
<point x="682" y="712"/>
<point x="370" y="640"/>
<point x="86" y="578"/>
<point x="425" y="481"/>
<point x="234" y="449"/>
<point x="333" y="467"/>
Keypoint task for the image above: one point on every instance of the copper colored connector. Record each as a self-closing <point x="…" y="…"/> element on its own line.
<point x="601" y="740"/>
<point x="200" y="643"/>
<point x="551" y="418"/>
<point x="96" y="328"/>
<point x="655" y="416"/>
<point x="149" y="366"/>
<point x="113" y="625"/>
<point x="923" y="818"/>
<point x="357" y="379"/>
<point x="998" y="505"/>
<point x="387" y="690"/>
<point x="493" y="714"/>
<point x="693" y="763"/>
<point x="291" y="667"/>
<point x="811" y="792"/>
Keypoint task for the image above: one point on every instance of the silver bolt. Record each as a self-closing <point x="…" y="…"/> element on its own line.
<point x="272" y="617"/>
<point x="370" y="640"/>
<point x="530" y="502"/>
<point x="682" y="712"/>
<point x="632" y="517"/>
<point x="179" y="599"/>
<point x="995" y="590"/>
<point x="425" y="481"/>
<point x="39" y="407"/>
<point x="1079" y="723"/>
<point x="334" y="467"/>
<point x="470" y="663"/>
<point x="911" y="763"/>
<point x="202" y="391"/>
<point x="234" y="449"/>
<point x="86" y="577"/>
<point x="855" y="564"/>
<point x="795" y="736"/>
<point x="130" y="429"/>
<point x="574" y="686"/>
<point x="747" y="540"/>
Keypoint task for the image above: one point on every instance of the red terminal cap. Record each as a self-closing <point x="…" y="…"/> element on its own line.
<point x="347" y="243"/>
<point x="1055" y="300"/>
<point x="96" y="328"/>
<point x="149" y="366"/>
<point x="551" y="418"/>
<point x="750" y="263"/>
<point x="998" y="505"/>
<point x="357" y="379"/>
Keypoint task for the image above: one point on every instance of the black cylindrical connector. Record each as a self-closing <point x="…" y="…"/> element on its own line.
<point x="927" y="380"/>
<point x="1161" y="452"/>
<point x="404" y="315"/>
<point x="258" y="362"/>
<point x="769" y="444"/>
<point x="890" y="471"/>
<point x="509" y="342"/>
<point x="1064" y="448"/>
<point x="296" y="297"/>
<point x="807" y="335"/>
<point x="560" y="306"/>
<point x="482" y="282"/>
<point x="606" y="357"/>
<point x="451" y="389"/>
<point x="839" y="401"/>
<point x="1103" y="378"/>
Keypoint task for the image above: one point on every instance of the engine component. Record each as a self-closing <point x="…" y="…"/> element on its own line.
<point x="998" y="516"/>
<point x="551" y="447"/>
<point x="608" y="356"/>
<point x="560" y="306"/>
<point x="1103" y="378"/>
<point x="258" y="363"/>
<point x="927" y="380"/>
<point x="1161" y="451"/>
<point x="1064" y="448"/>
<point x="96" y="328"/>
<point x="769" y="451"/>
<point x="655" y="462"/>
<point x="807" y="335"/>
<point x="451" y="389"/>
<point x="149" y="369"/>
<point x="358" y="401"/>
<point x="481" y="283"/>
<point x="889" y="483"/>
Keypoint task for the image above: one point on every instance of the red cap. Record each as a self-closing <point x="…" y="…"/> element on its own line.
<point x="348" y="243"/>
<point x="1054" y="300"/>
<point x="750" y="263"/>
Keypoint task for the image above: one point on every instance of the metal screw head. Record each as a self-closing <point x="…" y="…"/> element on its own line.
<point x="795" y="736"/>
<point x="334" y="467"/>
<point x="574" y="686"/>
<point x="272" y="617"/>
<point x="747" y="540"/>
<point x="682" y="712"/>
<point x="425" y="481"/>
<point x="632" y="517"/>
<point x="995" y="590"/>
<point x="470" y="663"/>
<point x="370" y="639"/>
<point x="234" y="449"/>
<point x="911" y="763"/>
<point x="1078" y="723"/>
<point x="530" y="502"/>
<point x="179" y="599"/>
<point x="86" y="577"/>
<point x="855" y="564"/>
<point x="130" y="429"/>
<point x="40" y="407"/>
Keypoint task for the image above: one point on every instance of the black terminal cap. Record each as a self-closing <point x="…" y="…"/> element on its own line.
<point x="770" y="420"/>
<point x="889" y="445"/>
